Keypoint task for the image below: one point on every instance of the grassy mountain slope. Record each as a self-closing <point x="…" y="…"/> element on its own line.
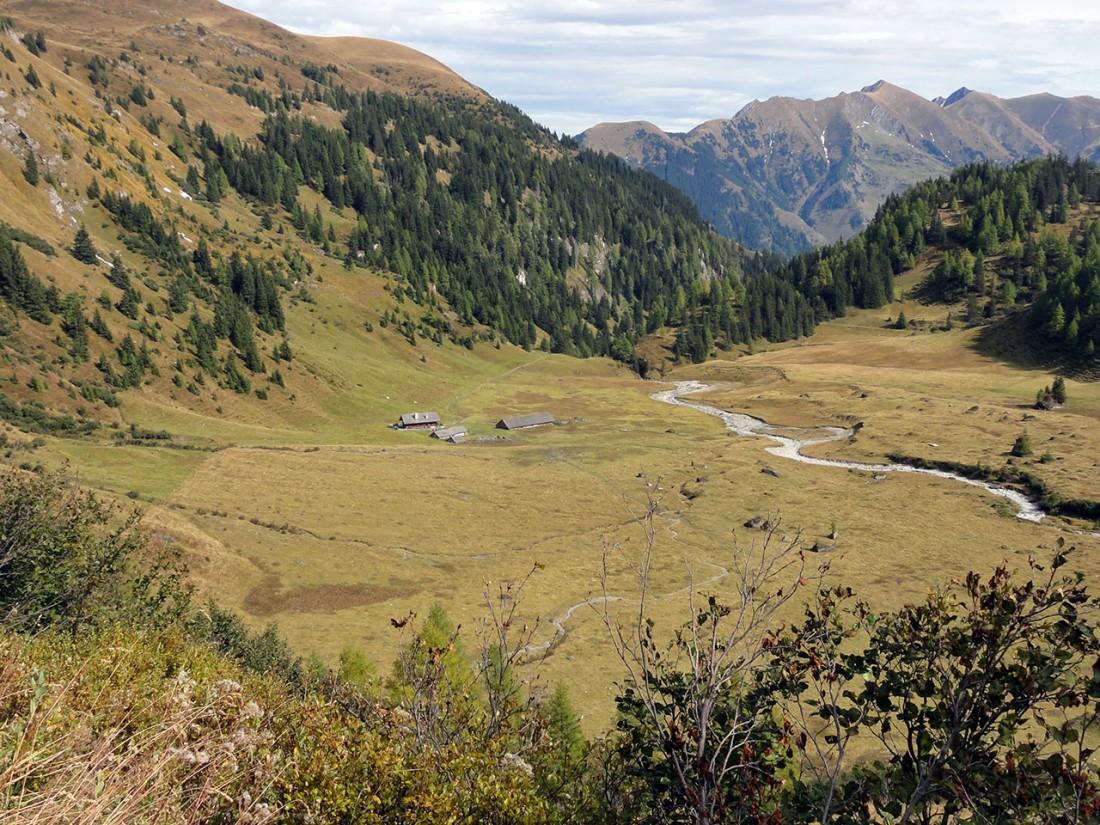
<point x="243" y="203"/>
<point x="81" y="130"/>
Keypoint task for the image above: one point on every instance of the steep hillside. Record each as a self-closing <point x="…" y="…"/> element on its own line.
<point x="189" y="297"/>
<point x="784" y="174"/>
<point x="189" y="190"/>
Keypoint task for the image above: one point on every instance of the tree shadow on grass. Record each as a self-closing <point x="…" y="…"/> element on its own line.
<point x="1013" y="340"/>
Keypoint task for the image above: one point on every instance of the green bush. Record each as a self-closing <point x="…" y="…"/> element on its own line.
<point x="1022" y="446"/>
<point x="68" y="560"/>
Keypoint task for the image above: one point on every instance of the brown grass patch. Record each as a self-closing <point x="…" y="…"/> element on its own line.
<point x="267" y="599"/>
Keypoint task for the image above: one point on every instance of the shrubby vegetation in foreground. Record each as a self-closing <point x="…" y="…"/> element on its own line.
<point x="121" y="700"/>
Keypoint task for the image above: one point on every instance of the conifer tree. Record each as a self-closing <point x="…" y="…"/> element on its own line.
<point x="117" y="273"/>
<point x="83" y="249"/>
<point x="564" y="726"/>
<point x="100" y="328"/>
<point x="75" y="325"/>
<point x="1022" y="446"/>
<point x="233" y="378"/>
<point x="30" y="169"/>
<point x="194" y="185"/>
<point x="130" y="303"/>
<point x="973" y="311"/>
<point x="1058" y="390"/>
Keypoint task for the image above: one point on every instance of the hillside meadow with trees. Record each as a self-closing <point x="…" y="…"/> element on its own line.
<point x="1017" y="242"/>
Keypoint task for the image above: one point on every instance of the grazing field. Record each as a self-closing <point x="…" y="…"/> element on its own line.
<point x="331" y="532"/>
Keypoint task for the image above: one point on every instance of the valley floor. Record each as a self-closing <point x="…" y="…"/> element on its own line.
<point x="332" y="539"/>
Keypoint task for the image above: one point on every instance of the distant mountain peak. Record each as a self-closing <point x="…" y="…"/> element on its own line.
<point x="954" y="97"/>
<point x="784" y="173"/>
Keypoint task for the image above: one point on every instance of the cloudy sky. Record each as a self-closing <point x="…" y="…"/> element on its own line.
<point x="573" y="63"/>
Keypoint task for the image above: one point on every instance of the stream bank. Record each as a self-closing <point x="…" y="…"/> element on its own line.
<point x="790" y="446"/>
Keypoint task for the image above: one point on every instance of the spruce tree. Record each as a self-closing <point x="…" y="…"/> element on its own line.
<point x="233" y="378"/>
<point x="564" y="727"/>
<point x="1022" y="446"/>
<point x="194" y="185"/>
<point x="83" y="249"/>
<point x="1058" y="390"/>
<point x="100" y="328"/>
<point x="973" y="311"/>
<point x="129" y="304"/>
<point x="30" y="169"/>
<point x="75" y="325"/>
<point x="118" y="274"/>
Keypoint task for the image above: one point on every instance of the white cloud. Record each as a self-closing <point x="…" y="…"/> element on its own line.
<point x="573" y="63"/>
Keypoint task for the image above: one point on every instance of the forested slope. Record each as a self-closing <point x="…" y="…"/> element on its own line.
<point x="176" y="188"/>
<point x="1013" y="244"/>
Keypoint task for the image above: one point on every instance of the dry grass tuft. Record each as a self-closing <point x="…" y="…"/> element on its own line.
<point x="173" y="752"/>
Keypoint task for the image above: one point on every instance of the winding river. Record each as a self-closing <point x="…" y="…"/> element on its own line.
<point x="790" y="447"/>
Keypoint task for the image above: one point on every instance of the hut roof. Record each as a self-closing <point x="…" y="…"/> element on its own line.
<point x="520" y="421"/>
<point x="419" y="419"/>
<point x="448" y="432"/>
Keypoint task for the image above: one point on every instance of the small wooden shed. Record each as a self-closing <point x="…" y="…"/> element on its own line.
<point x="419" y="421"/>
<point x="519" y="422"/>
<point x="456" y="435"/>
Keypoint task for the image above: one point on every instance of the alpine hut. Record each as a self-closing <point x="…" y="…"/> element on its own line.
<point x="455" y="435"/>
<point x="519" y="422"/>
<point x="419" y="421"/>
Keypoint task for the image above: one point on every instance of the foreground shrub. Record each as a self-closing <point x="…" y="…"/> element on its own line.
<point x="67" y="560"/>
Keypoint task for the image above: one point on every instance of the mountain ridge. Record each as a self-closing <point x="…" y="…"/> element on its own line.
<point x="785" y="173"/>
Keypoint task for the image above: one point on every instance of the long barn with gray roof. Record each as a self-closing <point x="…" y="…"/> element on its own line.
<point x="519" y="422"/>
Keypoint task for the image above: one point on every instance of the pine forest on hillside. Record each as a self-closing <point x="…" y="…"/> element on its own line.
<point x="516" y="231"/>
<point x="994" y="232"/>
<point x="486" y="224"/>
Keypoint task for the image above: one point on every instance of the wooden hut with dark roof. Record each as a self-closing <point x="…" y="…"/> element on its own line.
<point x="419" y="421"/>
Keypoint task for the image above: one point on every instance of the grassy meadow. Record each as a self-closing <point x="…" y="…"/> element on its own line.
<point x="313" y="513"/>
